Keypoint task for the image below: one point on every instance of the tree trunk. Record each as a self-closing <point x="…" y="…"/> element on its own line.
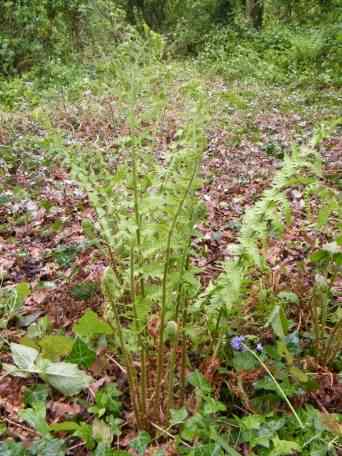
<point x="255" y="13"/>
<point x="223" y="12"/>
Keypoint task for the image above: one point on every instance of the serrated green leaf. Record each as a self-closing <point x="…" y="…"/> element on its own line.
<point x="212" y="406"/>
<point x="66" y="255"/>
<point x="90" y="325"/>
<point x="252" y="422"/>
<point x="323" y="215"/>
<point x="284" y="447"/>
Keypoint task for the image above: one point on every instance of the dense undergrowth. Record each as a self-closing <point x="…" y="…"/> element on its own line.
<point x="159" y="295"/>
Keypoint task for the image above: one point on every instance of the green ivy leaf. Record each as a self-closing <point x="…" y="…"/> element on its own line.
<point x="81" y="354"/>
<point x="48" y="447"/>
<point x="223" y="444"/>
<point x="141" y="442"/>
<point x="36" y="417"/>
<point x="178" y="416"/>
<point x="197" y="380"/>
<point x="38" y="393"/>
<point x="12" y="449"/>
<point x="65" y="255"/>
<point x="244" y="361"/>
<point x="83" y="291"/>
<point x="103" y="450"/>
<point x="90" y="325"/>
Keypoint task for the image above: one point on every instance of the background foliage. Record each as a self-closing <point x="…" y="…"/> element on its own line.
<point x="296" y="37"/>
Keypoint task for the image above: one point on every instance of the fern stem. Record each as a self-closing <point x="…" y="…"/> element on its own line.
<point x="171" y="369"/>
<point x="143" y="396"/>
<point x="179" y="320"/>
<point x="137" y="211"/>
<point x="160" y="349"/>
<point x="131" y="374"/>
<point x="142" y="283"/>
<point x="113" y="263"/>
<point x="183" y="358"/>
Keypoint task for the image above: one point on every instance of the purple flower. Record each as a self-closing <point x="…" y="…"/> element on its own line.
<point x="237" y="343"/>
<point x="259" y="347"/>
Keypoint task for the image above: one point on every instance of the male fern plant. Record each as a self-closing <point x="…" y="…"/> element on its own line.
<point x="147" y="210"/>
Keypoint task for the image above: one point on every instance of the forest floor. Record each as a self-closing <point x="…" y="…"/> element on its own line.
<point x="41" y="209"/>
